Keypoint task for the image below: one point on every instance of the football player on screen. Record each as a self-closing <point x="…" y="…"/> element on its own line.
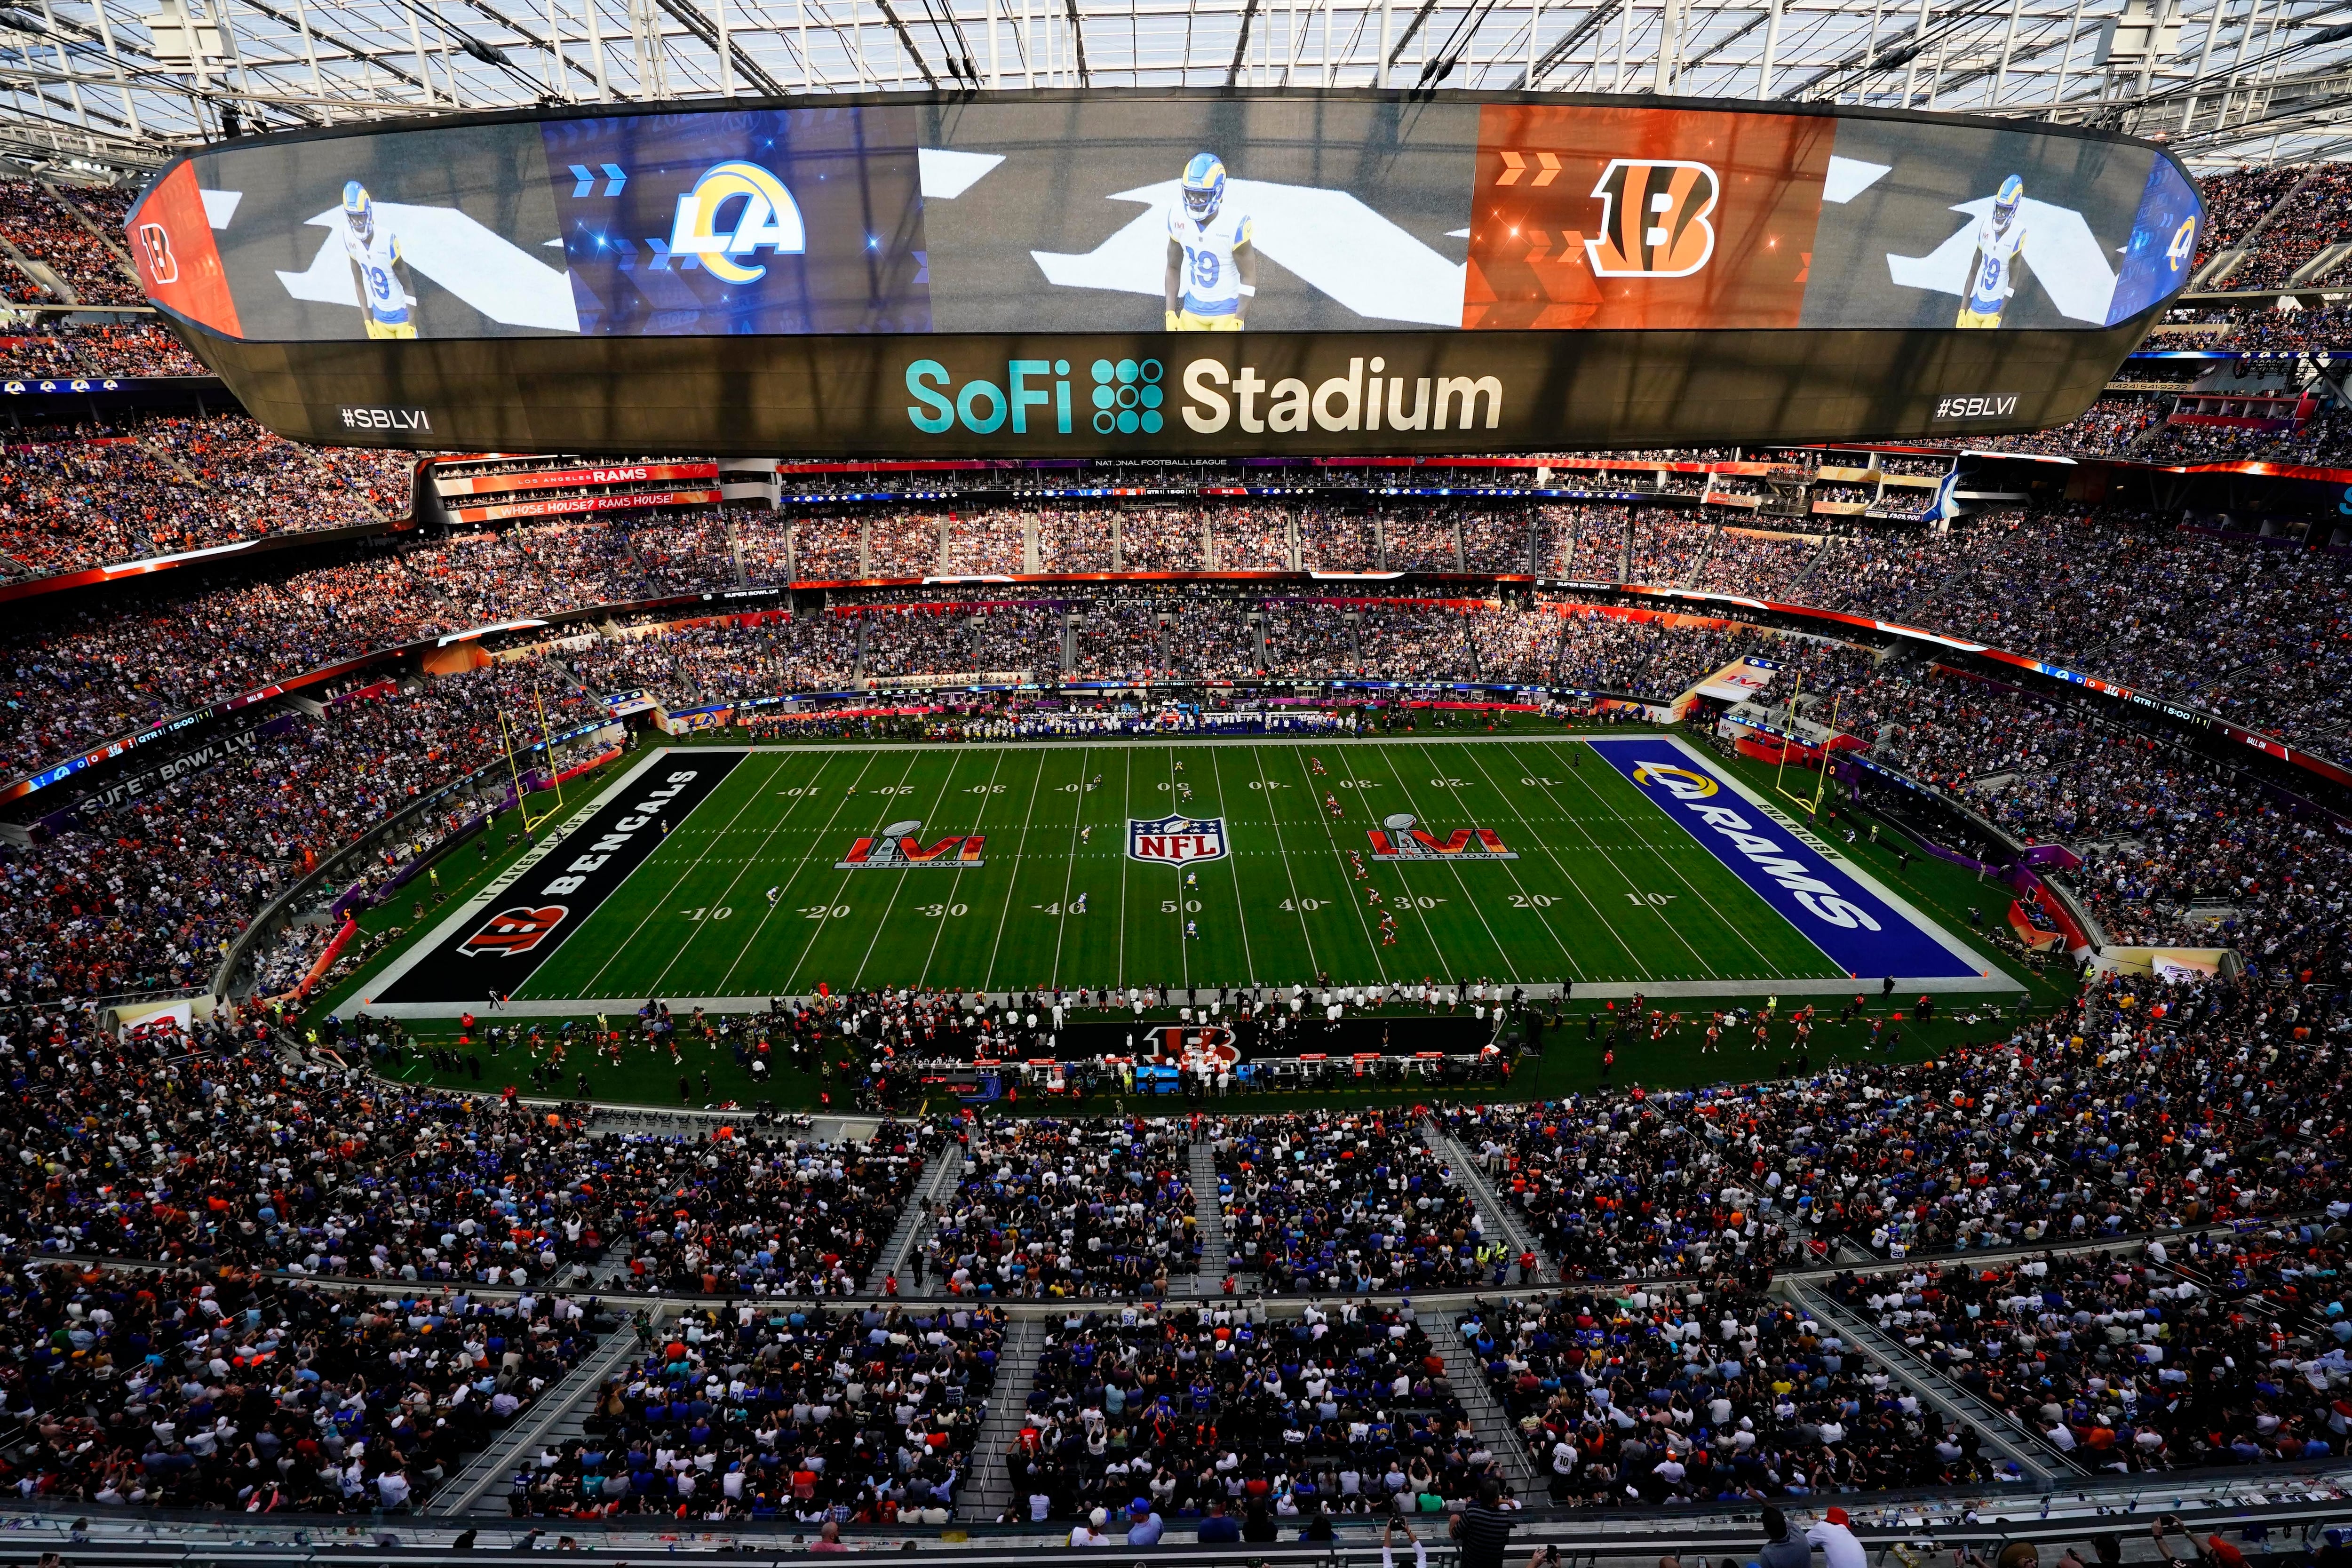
<point x="1992" y="276"/>
<point x="1212" y="266"/>
<point x="374" y="251"/>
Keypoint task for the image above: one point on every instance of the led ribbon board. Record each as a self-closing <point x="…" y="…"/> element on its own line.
<point x="1039" y="274"/>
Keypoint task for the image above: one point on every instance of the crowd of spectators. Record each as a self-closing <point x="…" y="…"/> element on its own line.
<point x="87" y="677"/>
<point x="2111" y="428"/>
<point x="1049" y="1209"/>
<point x="146" y="894"/>
<point x="2226" y="1355"/>
<point x="1716" y="1394"/>
<point x="128" y="347"/>
<point x="58" y="229"/>
<point x="2243" y="626"/>
<point x="1347" y="1202"/>
<point x="204" y="1385"/>
<point x="1216" y="1414"/>
<point x="2185" y="1106"/>
<point x="780" y="1412"/>
<point x="2236" y="201"/>
<point x="2315" y="214"/>
<point x="78" y="497"/>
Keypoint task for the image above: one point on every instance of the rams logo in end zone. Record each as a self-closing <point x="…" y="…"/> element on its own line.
<point x="512" y="931"/>
<point x="1682" y="781"/>
<point x="768" y="216"/>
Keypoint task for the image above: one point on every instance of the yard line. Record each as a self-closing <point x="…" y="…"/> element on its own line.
<point x="785" y="898"/>
<point x="1510" y="869"/>
<point x="1424" y="915"/>
<point x="690" y="867"/>
<point x="1340" y="859"/>
<point x="1265" y="792"/>
<point x="1766" y="964"/>
<point x="1069" y="871"/>
<point x="1234" y="867"/>
<point x="913" y="756"/>
<point x="880" y="925"/>
<point x="1594" y="840"/>
<point x="1537" y="837"/>
<point x="1183" y="943"/>
<point x="955" y="877"/>
<point x="1127" y="809"/>
<point x="743" y="866"/>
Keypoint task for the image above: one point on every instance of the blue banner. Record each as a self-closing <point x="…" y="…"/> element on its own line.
<point x="768" y="221"/>
<point x="1858" y="930"/>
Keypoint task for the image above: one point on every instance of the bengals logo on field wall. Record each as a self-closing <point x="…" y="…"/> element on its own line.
<point x="512" y="931"/>
<point x="1654" y="218"/>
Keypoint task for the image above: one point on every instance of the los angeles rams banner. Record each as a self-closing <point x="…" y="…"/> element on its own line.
<point x="1838" y="908"/>
<point x="532" y="909"/>
<point x="1068" y="272"/>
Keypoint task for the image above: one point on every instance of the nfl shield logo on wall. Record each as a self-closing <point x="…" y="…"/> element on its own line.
<point x="1170" y="840"/>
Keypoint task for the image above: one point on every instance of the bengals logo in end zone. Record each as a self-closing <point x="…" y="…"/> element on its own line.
<point x="512" y="931"/>
<point x="1654" y="218"/>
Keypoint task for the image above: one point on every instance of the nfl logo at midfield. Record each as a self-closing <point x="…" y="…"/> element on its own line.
<point x="1173" y="840"/>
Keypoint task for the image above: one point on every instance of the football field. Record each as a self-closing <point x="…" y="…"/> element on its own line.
<point x="726" y="876"/>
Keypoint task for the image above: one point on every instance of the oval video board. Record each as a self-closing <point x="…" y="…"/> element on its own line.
<point x="1085" y="273"/>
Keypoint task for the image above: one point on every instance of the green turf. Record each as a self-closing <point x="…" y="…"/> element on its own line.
<point x="1942" y="892"/>
<point x="1606" y="888"/>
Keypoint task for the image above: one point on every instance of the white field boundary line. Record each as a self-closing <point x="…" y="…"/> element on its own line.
<point x="1996" y="982"/>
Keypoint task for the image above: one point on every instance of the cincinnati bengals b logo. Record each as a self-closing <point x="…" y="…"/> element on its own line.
<point x="513" y="932"/>
<point x="1653" y="219"/>
<point x="159" y="260"/>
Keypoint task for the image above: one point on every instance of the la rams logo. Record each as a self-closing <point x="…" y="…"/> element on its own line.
<point x="1684" y="782"/>
<point x="156" y="242"/>
<point x="1654" y="218"/>
<point x="1173" y="840"/>
<point x="898" y="848"/>
<point x="513" y="932"/>
<point x="768" y="216"/>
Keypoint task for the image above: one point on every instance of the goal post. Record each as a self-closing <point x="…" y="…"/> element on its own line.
<point x="1811" y="807"/>
<point x="518" y="746"/>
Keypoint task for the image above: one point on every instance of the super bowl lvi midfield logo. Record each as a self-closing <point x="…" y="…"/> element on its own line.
<point x="900" y="847"/>
<point x="1174" y="840"/>
<point x="1397" y="838"/>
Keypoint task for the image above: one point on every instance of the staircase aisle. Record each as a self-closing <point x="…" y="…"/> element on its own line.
<point x="985" y="1493"/>
<point x="479" y="1489"/>
<point x="1208" y="1218"/>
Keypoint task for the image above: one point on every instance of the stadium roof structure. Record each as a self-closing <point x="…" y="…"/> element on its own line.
<point x="109" y="88"/>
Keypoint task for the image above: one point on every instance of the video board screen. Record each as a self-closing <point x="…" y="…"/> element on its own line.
<point x="1107" y="214"/>
<point x="1231" y="273"/>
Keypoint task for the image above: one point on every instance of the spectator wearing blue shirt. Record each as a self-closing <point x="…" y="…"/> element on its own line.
<point x="1144" y="1527"/>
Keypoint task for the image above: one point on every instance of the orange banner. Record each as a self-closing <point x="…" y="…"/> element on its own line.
<point x="1643" y="217"/>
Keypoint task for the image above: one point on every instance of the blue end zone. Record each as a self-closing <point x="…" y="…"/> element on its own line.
<point x="1860" y="931"/>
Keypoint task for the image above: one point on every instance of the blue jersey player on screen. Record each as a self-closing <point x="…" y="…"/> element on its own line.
<point x="1212" y="266"/>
